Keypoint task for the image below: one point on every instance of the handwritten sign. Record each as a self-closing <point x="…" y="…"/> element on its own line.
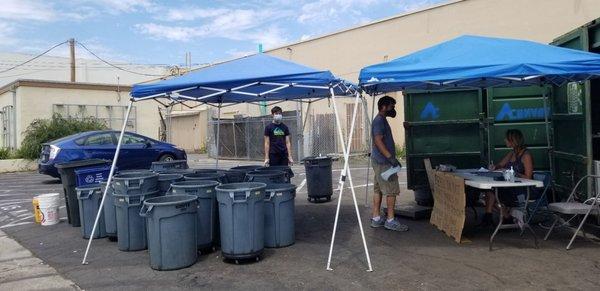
<point x="448" y="213"/>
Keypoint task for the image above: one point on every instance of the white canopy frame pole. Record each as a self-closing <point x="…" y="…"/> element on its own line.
<point x="370" y="149"/>
<point x="346" y="170"/>
<point x="108" y="182"/>
<point x="218" y="134"/>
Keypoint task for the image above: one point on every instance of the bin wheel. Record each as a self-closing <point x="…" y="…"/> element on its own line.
<point x="237" y="262"/>
<point x="214" y="249"/>
<point x="257" y="259"/>
<point x="328" y="198"/>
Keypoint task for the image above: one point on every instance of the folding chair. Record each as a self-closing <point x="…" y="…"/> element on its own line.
<point x="539" y="200"/>
<point x="575" y="208"/>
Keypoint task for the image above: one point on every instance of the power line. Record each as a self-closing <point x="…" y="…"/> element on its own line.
<point x="115" y="66"/>
<point x="25" y="62"/>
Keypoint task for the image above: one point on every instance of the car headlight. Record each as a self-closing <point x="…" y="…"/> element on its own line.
<point x="53" y="152"/>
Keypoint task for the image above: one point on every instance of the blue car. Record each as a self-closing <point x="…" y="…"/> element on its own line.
<point x="137" y="151"/>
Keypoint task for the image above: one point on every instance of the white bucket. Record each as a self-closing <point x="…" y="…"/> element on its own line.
<point x="48" y="204"/>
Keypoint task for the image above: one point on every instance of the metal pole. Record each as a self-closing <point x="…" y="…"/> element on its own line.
<point x="370" y="152"/>
<point x="546" y="111"/>
<point x="108" y="182"/>
<point x="218" y="132"/>
<point x="346" y="152"/>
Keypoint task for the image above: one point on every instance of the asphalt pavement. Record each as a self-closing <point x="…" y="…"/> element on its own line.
<point x="420" y="259"/>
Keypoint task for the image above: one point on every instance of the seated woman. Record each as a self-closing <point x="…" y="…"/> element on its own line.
<point x="521" y="162"/>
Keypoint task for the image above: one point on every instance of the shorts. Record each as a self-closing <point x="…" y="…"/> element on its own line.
<point x="391" y="187"/>
<point x="278" y="159"/>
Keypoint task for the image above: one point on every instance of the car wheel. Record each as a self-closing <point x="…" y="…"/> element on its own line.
<point x="166" y="158"/>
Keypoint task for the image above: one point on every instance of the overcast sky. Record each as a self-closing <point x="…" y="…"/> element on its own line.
<point x="161" y="32"/>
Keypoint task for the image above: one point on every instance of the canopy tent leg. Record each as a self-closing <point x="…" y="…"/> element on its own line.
<point x="547" y="123"/>
<point x="218" y="134"/>
<point x="346" y="170"/>
<point x="108" y="182"/>
<point x="370" y="148"/>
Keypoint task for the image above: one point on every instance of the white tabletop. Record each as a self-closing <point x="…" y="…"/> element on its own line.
<point x="488" y="183"/>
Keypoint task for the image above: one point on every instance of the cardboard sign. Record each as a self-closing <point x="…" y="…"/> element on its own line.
<point x="448" y="213"/>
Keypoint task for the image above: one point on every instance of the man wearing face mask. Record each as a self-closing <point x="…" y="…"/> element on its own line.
<point x="384" y="157"/>
<point x="278" y="145"/>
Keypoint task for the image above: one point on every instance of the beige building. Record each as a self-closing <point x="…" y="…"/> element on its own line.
<point x="347" y="51"/>
<point x="22" y="101"/>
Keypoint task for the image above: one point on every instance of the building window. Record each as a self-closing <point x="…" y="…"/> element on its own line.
<point x="7" y="117"/>
<point x="112" y="115"/>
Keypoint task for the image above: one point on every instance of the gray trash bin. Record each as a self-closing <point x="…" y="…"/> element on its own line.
<point x="167" y="165"/>
<point x="219" y="177"/>
<point x="208" y="223"/>
<point x="279" y="215"/>
<point x="89" y="203"/>
<point x="110" y="213"/>
<point x="171" y="223"/>
<point x="165" y="180"/>
<point x="241" y="212"/>
<point x="132" y="171"/>
<point x="319" y="183"/>
<point x="289" y="174"/>
<point x="135" y="183"/>
<point x="267" y="177"/>
<point x="131" y="227"/>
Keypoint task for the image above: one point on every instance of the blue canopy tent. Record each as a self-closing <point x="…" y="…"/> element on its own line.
<point x="482" y="62"/>
<point x="251" y="79"/>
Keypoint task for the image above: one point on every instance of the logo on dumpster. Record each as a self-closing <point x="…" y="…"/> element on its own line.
<point x="89" y="179"/>
<point x="508" y="113"/>
<point x="430" y="112"/>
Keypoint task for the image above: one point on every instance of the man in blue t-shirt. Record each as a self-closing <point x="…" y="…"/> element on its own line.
<point x="383" y="157"/>
<point x="278" y="145"/>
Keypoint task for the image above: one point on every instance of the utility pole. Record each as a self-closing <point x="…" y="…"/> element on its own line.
<point x="72" y="47"/>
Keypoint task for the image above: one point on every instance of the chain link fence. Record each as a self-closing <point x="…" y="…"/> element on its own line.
<point x="243" y="137"/>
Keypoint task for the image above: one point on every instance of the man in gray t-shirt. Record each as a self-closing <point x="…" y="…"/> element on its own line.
<point x="383" y="157"/>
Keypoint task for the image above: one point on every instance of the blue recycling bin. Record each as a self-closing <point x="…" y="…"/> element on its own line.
<point x="92" y="175"/>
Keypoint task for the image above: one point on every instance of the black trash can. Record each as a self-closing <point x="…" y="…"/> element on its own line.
<point x="69" y="182"/>
<point x="318" y="178"/>
<point x="289" y="174"/>
<point x="267" y="177"/>
<point x="235" y="176"/>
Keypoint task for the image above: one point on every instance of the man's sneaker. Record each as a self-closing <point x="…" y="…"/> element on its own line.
<point x="395" y="225"/>
<point x="377" y="223"/>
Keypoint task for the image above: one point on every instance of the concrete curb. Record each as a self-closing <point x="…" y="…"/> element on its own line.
<point x="21" y="270"/>
<point x="17" y="165"/>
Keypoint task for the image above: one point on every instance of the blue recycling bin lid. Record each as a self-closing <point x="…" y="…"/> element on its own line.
<point x="92" y="175"/>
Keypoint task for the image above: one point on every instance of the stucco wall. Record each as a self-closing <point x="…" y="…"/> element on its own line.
<point x="345" y="53"/>
<point x="35" y="102"/>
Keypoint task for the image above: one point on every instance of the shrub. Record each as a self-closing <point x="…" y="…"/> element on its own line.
<point x="5" y="153"/>
<point x="401" y="151"/>
<point x="44" y="130"/>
